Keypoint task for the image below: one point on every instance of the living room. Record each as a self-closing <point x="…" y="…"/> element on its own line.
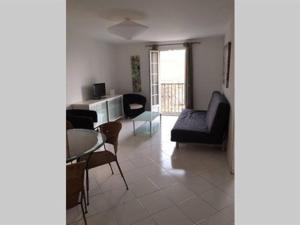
<point x="181" y="190"/>
<point x="149" y="112"/>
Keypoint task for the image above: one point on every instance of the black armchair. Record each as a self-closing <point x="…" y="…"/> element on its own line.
<point x="82" y="118"/>
<point x="134" y="105"/>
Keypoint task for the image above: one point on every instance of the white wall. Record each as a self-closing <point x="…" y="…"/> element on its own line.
<point x="88" y="61"/>
<point x="208" y="67"/>
<point x="208" y="70"/>
<point x="229" y="93"/>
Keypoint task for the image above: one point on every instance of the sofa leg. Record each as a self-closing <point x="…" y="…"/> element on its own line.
<point x="177" y="145"/>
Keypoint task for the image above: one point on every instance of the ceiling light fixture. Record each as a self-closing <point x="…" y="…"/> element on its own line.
<point x="127" y="29"/>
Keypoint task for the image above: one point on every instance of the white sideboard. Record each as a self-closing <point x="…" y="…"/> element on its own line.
<point x="109" y="108"/>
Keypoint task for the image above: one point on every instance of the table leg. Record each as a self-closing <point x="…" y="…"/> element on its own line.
<point x="150" y="128"/>
<point x="133" y="127"/>
<point x="160" y="120"/>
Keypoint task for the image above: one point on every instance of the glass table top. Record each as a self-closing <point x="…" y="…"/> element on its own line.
<point x="81" y="142"/>
<point x="147" y="116"/>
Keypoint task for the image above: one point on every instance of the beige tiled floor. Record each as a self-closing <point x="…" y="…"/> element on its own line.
<point x="167" y="186"/>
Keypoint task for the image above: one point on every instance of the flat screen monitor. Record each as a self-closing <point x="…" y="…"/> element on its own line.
<point x="99" y="90"/>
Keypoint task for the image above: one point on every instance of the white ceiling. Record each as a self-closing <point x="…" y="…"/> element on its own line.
<point x="168" y="20"/>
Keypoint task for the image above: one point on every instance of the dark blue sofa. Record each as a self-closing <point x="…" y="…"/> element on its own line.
<point x="207" y="127"/>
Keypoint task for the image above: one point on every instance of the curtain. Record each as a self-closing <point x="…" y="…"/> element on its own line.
<point x="189" y="101"/>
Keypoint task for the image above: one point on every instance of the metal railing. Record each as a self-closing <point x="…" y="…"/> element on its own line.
<point x="172" y="99"/>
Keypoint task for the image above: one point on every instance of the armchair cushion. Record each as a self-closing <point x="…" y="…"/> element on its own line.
<point x="135" y="106"/>
<point x="133" y="99"/>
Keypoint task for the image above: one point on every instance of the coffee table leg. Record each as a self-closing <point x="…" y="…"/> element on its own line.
<point x="133" y="127"/>
<point x="160" y="120"/>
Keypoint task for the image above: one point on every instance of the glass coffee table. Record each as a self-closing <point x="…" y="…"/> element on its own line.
<point x="146" y="116"/>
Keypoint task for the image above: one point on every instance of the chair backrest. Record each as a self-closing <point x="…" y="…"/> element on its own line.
<point x="111" y="131"/>
<point x="134" y="98"/>
<point x="217" y="116"/>
<point x="81" y="118"/>
<point x="83" y="112"/>
<point x="75" y="183"/>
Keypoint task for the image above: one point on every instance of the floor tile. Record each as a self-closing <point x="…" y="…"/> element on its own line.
<point x="74" y="214"/>
<point x="118" y="196"/>
<point x="113" y="182"/>
<point x="155" y="202"/>
<point x="106" y="218"/>
<point x="162" y="180"/>
<point x="196" y="209"/>
<point x="130" y="212"/>
<point x="223" y="217"/>
<point x="216" y="177"/>
<point x="98" y="203"/>
<point x="171" y="216"/>
<point x="140" y="161"/>
<point x="151" y="169"/>
<point x="147" y="221"/>
<point x="197" y="185"/>
<point x="178" y="193"/>
<point x="217" y="199"/>
<point x="142" y="187"/>
<point x="227" y="187"/>
<point x="125" y="165"/>
<point x="133" y="176"/>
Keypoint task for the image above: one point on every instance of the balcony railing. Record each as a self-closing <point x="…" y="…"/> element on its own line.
<point x="172" y="99"/>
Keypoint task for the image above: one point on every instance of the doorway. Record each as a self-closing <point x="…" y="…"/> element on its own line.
<point x="167" y="78"/>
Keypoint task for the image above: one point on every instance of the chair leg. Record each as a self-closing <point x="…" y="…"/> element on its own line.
<point x="109" y="163"/>
<point x="84" y="200"/>
<point x="122" y="174"/>
<point x="111" y="169"/>
<point x="87" y="186"/>
<point x="83" y="213"/>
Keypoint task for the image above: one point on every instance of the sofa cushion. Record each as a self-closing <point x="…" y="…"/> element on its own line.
<point x="191" y="120"/>
<point x="190" y="127"/>
<point x="216" y="108"/>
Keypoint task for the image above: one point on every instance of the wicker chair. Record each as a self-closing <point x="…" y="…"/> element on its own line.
<point x="111" y="130"/>
<point x="75" y="186"/>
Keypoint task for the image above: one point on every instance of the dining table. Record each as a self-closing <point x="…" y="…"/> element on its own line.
<point x="82" y="143"/>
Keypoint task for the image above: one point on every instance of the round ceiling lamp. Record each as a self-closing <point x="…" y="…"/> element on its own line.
<point x="127" y="29"/>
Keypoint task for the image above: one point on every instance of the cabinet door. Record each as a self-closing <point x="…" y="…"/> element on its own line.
<point x="100" y="108"/>
<point x="115" y="110"/>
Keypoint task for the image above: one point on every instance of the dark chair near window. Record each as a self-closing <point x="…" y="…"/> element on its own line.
<point x="81" y="118"/>
<point x="134" y="104"/>
<point x="75" y="186"/>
